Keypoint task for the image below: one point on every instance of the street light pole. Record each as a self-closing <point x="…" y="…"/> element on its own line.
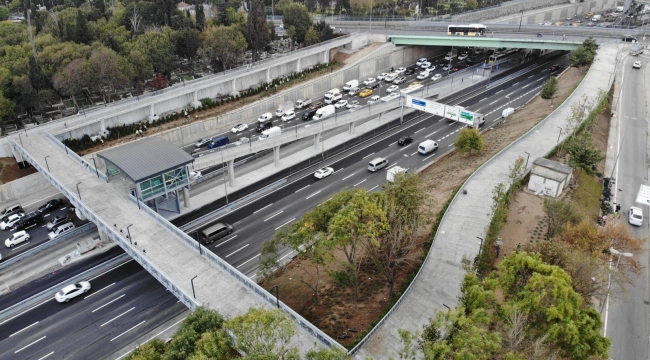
<point x="78" y="193"/>
<point x="526" y="166"/>
<point x="558" y="135"/>
<point x="224" y="177"/>
<point x="609" y="284"/>
<point x="129" y="232"/>
<point x="192" y="281"/>
<point x="46" y="164"/>
<point x="521" y="18"/>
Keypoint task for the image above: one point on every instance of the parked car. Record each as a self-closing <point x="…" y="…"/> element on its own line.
<point x="399" y="80"/>
<point x="323" y="173"/>
<point x="202" y="142"/>
<point x="11" y="221"/>
<point x="352" y="104"/>
<point x="17" y="238"/>
<point x="404" y="140"/>
<point x="341" y="103"/>
<point x="392" y="88"/>
<point x="365" y="93"/>
<point x="636" y="216"/>
<point x="636" y="65"/>
<point x="72" y="291"/>
<point x="239" y="128"/>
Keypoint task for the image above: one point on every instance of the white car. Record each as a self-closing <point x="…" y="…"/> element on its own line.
<point x="369" y="81"/>
<point x="423" y="75"/>
<point x="420" y="61"/>
<point x="462" y="57"/>
<point x="239" y="128"/>
<point x="636" y="65"/>
<point x="446" y="67"/>
<point x="195" y="175"/>
<point x="72" y="291"/>
<point x="323" y="173"/>
<point x="636" y="216"/>
<point x="548" y="23"/>
<point x="340" y="104"/>
<point x="11" y="221"/>
<point x="430" y="67"/>
<point x="289" y="115"/>
<point x="436" y="77"/>
<point x="17" y="238"/>
<point x="352" y="104"/>
<point x="242" y="140"/>
<point x="381" y="76"/>
<point x="373" y="99"/>
<point x="400" y="70"/>
<point x="392" y="88"/>
<point x="426" y="65"/>
<point x="202" y="142"/>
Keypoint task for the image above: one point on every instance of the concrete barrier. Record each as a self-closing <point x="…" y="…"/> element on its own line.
<point x="29" y="188"/>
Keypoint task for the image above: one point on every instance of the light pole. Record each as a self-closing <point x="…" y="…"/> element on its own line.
<point x="558" y="135"/>
<point x="526" y="166"/>
<point x="521" y="18"/>
<point x="46" y="164"/>
<point x="224" y="176"/>
<point x="129" y="232"/>
<point x="609" y="283"/>
<point x="96" y="171"/>
<point x="78" y="193"/>
<point x="192" y="281"/>
<point x="481" y="248"/>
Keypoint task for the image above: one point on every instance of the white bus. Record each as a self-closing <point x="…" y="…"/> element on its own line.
<point x="466" y="30"/>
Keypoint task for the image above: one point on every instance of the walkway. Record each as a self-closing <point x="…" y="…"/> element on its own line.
<point x="438" y="282"/>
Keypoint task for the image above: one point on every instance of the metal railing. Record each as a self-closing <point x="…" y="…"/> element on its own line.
<point x="190" y="302"/>
<point x="89" y="167"/>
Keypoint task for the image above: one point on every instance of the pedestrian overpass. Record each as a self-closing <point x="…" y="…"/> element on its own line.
<point x="486" y="42"/>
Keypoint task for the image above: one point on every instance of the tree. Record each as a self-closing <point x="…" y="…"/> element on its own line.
<point x="297" y="16"/>
<point x="332" y="353"/>
<point x="200" y="18"/>
<point x="581" y="56"/>
<point x="223" y="44"/>
<point x="471" y="5"/>
<point x="559" y="214"/>
<point x="4" y="13"/>
<point x="312" y="37"/>
<point x="81" y="33"/>
<point x="517" y="170"/>
<point x="263" y="333"/>
<point x="6" y="107"/>
<point x="159" y="81"/>
<point x="590" y="45"/>
<point x="257" y="29"/>
<point x="549" y="89"/>
<point x="583" y="153"/>
<point x="325" y="31"/>
<point x="186" y="43"/>
<point x="36" y="77"/>
<point x="110" y="70"/>
<point x="468" y="140"/>
<point x="159" y="49"/>
<point x="72" y="78"/>
<point x="135" y="19"/>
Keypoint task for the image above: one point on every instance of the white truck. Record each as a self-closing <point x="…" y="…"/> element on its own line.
<point x="303" y="103"/>
<point x="276" y="130"/>
<point x="332" y="98"/>
<point x="285" y="106"/>
<point x="390" y="174"/>
<point x="350" y="84"/>
<point x="451" y="54"/>
<point x="324" y="112"/>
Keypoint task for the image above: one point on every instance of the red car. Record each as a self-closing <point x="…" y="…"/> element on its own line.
<point x="457" y="68"/>
<point x="316" y="105"/>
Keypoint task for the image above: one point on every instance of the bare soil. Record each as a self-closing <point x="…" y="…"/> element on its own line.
<point x="337" y="312"/>
<point x="10" y="170"/>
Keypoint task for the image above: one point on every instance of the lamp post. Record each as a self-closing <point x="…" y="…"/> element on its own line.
<point x="96" y="171"/>
<point x="46" y="164"/>
<point x="224" y="176"/>
<point x="78" y="193"/>
<point x="277" y="295"/>
<point x="129" y="232"/>
<point x="521" y="18"/>
<point x="192" y="281"/>
<point x="558" y="135"/>
<point x="481" y="248"/>
<point x="609" y="284"/>
<point x="528" y="156"/>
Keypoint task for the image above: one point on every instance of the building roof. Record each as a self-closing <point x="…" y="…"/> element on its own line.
<point x="548" y="173"/>
<point x="146" y="158"/>
<point x="553" y="165"/>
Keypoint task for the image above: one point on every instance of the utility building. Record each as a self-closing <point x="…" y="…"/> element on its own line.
<point x="549" y="177"/>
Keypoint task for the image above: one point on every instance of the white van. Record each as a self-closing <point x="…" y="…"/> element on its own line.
<point x="265" y="117"/>
<point x="377" y="164"/>
<point x="391" y="77"/>
<point x="332" y="98"/>
<point x="596" y="18"/>
<point x="427" y="146"/>
<point x="350" y="84"/>
<point x="276" y="130"/>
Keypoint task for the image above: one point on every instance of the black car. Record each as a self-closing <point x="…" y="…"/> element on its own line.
<point x="405" y="140"/>
<point x="373" y="86"/>
<point x="263" y="126"/>
<point x="409" y="72"/>
<point x="470" y="61"/>
<point x="308" y="114"/>
<point x="50" y="205"/>
<point x="555" y="67"/>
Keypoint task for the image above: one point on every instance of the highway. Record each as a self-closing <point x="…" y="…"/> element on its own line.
<point x="627" y="316"/>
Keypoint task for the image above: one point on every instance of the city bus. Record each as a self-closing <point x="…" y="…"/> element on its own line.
<point x="466" y="30"/>
<point x="501" y="55"/>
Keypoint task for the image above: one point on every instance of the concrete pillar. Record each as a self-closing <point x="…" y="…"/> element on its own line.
<point x="196" y="95"/>
<point x="317" y="143"/>
<point x="104" y="237"/>
<point x="234" y="86"/>
<point x="326" y="56"/>
<point x="196" y="103"/>
<point x="17" y="156"/>
<point x="186" y="197"/>
<point x="268" y="74"/>
<point x="152" y="115"/>
<point x="103" y="126"/>
<point x="231" y="172"/>
<point x="276" y="156"/>
<point x="351" y="128"/>
<point x="298" y="65"/>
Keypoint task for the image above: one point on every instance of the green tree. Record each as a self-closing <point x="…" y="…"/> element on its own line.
<point x="298" y="16"/>
<point x="224" y="45"/>
<point x="590" y="45"/>
<point x="471" y="5"/>
<point x="82" y="34"/>
<point x="581" y="56"/>
<point x="4" y="13"/>
<point x="72" y="78"/>
<point x="325" y="31"/>
<point x="153" y="350"/>
<point x="264" y="334"/>
<point x="281" y="6"/>
<point x="312" y="36"/>
<point x="36" y="76"/>
<point x="256" y="29"/>
<point x="160" y="50"/>
<point x="200" y="18"/>
<point x="6" y="107"/>
<point x="332" y="353"/>
<point x="186" y="43"/>
<point x="213" y="345"/>
<point x="517" y="170"/>
<point x="549" y="89"/>
<point x="559" y="214"/>
<point x="468" y="140"/>
<point x="109" y="70"/>
<point x="583" y="153"/>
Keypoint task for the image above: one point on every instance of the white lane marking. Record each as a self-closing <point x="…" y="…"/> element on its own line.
<point x="494" y="102"/>
<point x="360" y="182"/>
<point x="428" y="157"/>
<point x="349" y="176"/>
<point x="417" y="131"/>
<point x="107" y="271"/>
<point x="32" y="308"/>
<point x="404" y="147"/>
<point x="450" y="145"/>
<point x="532" y="75"/>
<point x="28" y="345"/>
<point x="44" y="356"/>
<point x="102" y="289"/>
<point x="498" y="92"/>
<point x="236" y="251"/>
<point x="391" y="144"/>
<point x="246" y="262"/>
<point x="272" y="216"/>
<point x="302" y="188"/>
<point x="414" y="153"/>
<point x="18" y="247"/>
<point x="279" y="227"/>
<point x="111" y="320"/>
<point x="225" y="241"/>
<point x="525" y="86"/>
<point x="155" y="336"/>
<point x="368" y="155"/>
<point x="335" y="171"/>
<point x="324" y="202"/>
<point x="118" y="336"/>
<point x="515" y="83"/>
<point x="256" y="211"/>
<point x="19" y="331"/>
<point x="108" y="303"/>
<point x="312" y="195"/>
<point x="432" y="133"/>
<point x="372" y="188"/>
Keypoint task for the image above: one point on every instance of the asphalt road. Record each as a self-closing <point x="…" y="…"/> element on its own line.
<point x="627" y="318"/>
<point x="122" y="306"/>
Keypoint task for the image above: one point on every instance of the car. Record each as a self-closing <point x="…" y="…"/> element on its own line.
<point x="548" y="23"/>
<point x="202" y="142"/>
<point x="426" y="65"/>
<point x="409" y="72"/>
<point x="590" y="14"/>
<point x="242" y="140"/>
<point x="636" y="65"/>
<point x="323" y="173"/>
<point x="554" y="67"/>
<point x="462" y="57"/>
<point x="400" y="70"/>
<point x="309" y="114"/>
<point x="239" y="128"/>
<point x="369" y="81"/>
<point x="72" y="291"/>
<point x="415" y="83"/>
<point x="316" y="105"/>
<point x="352" y="104"/>
<point x="456" y="68"/>
<point x="420" y="61"/>
<point x="365" y="93"/>
<point x="56" y="221"/>
<point x="400" y="80"/>
<point x="374" y="86"/>
<point x="436" y="77"/>
<point x="60" y="230"/>
<point x="430" y="67"/>
<point x="470" y="61"/>
<point x="289" y="115"/>
<point x="263" y="126"/>
<point x="50" y="205"/>
<point x="340" y="104"/>
<point x="195" y="175"/>
<point x="11" y="221"/>
<point x="447" y="67"/>
<point x="381" y="76"/>
<point x="373" y="99"/>
<point x="635" y="216"/>
<point x="16" y="238"/>
<point x="392" y="88"/>
<point x="423" y="75"/>
<point x="404" y="140"/>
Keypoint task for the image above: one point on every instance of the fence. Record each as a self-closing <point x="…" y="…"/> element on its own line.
<point x="90" y="168"/>
<point x="110" y="231"/>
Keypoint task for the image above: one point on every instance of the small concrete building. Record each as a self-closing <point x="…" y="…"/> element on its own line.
<point x="549" y="177"/>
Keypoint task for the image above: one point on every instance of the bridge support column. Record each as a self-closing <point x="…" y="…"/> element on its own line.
<point x="17" y="156"/>
<point x="186" y="197"/>
<point x="231" y="172"/>
<point x="102" y="125"/>
<point x="351" y="128"/>
<point x="298" y="65"/>
<point x="276" y="155"/>
<point x="268" y="74"/>
<point x="326" y="56"/>
<point x="317" y="143"/>
<point x="152" y="114"/>
<point x="104" y="238"/>
<point x="196" y="103"/>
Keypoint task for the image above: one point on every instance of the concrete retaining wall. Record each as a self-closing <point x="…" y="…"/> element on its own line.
<point x="560" y="13"/>
<point x="496" y="12"/>
<point x="33" y="187"/>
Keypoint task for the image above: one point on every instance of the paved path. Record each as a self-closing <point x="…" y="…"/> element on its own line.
<point x="439" y="280"/>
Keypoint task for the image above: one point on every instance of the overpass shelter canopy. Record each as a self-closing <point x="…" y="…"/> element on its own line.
<point x="155" y="166"/>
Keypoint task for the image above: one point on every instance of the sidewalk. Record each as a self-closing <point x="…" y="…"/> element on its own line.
<point x="437" y="285"/>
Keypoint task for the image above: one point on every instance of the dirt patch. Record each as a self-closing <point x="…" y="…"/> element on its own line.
<point x="10" y="170"/>
<point x="337" y="312"/>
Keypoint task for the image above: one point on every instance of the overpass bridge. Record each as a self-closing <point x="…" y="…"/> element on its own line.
<point x="489" y="42"/>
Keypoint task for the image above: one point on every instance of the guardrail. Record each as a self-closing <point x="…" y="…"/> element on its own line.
<point x="46" y="245"/>
<point x="190" y="302"/>
<point x="90" y="168"/>
<point x="12" y="311"/>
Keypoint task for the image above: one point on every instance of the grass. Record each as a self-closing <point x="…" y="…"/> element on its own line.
<point x="586" y="197"/>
